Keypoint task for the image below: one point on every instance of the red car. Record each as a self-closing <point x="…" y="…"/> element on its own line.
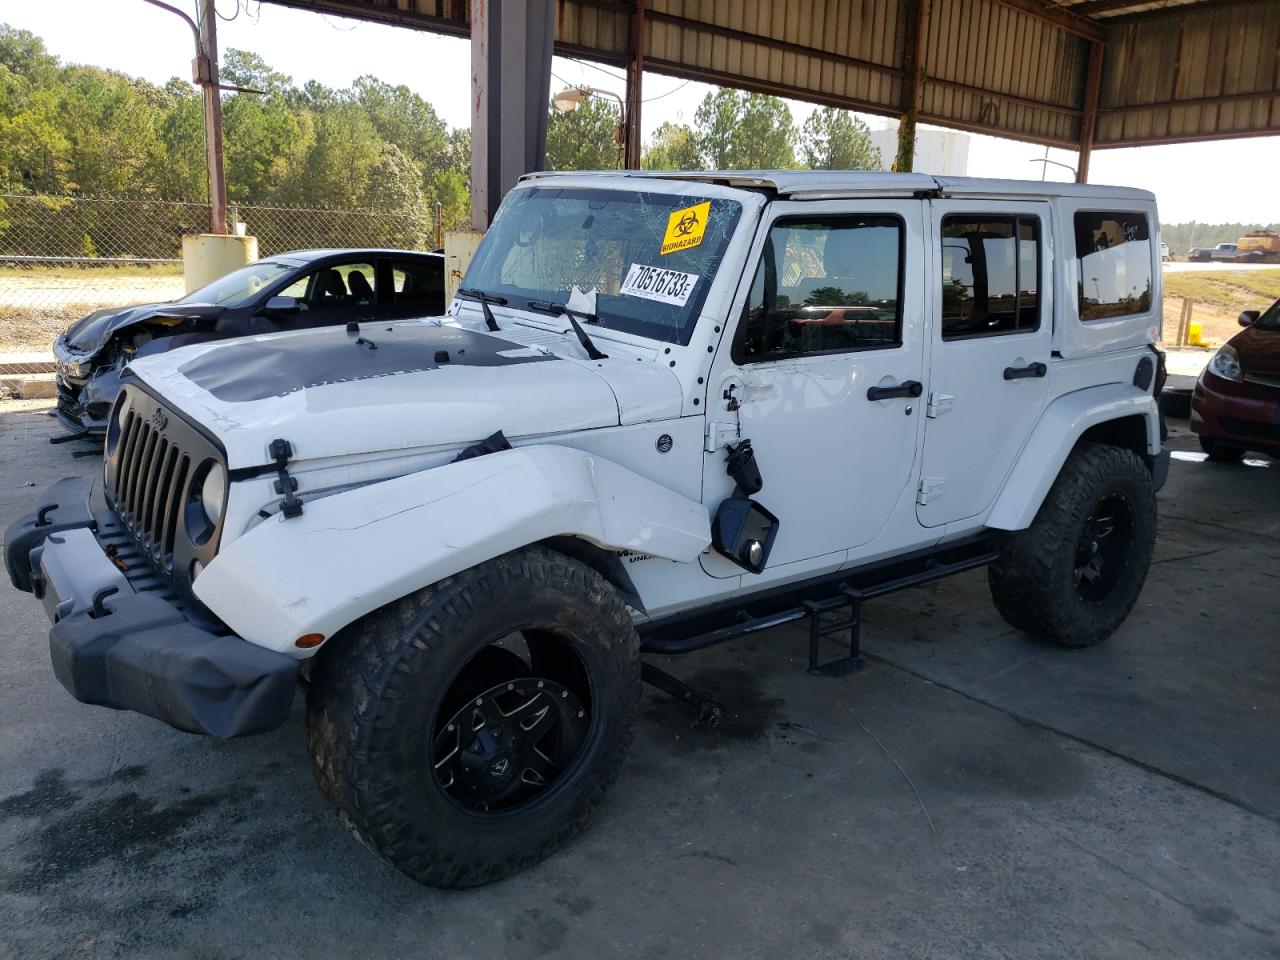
<point x="1236" y="404"/>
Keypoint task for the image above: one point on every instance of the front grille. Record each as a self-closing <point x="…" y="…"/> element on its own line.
<point x="1250" y="428"/>
<point x="155" y="461"/>
<point x="149" y="489"/>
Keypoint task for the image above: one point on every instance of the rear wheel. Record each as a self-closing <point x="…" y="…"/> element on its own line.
<point x="470" y="729"/>
<point x="1073" y="576"/>
<point x="1220" y="452"/>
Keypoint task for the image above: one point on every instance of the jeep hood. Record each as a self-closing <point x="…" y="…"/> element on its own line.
<point x="403" y="386"/>
<point x="91" y="334"/>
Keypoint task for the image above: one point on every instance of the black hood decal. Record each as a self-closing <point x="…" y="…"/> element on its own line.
<point x="245" y="371"/>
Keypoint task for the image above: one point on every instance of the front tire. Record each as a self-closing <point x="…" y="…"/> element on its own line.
<point x="470" y="729"/>
<point x="1073" y="576"/>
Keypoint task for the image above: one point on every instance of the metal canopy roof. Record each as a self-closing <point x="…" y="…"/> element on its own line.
<point x="1071" y="73"/>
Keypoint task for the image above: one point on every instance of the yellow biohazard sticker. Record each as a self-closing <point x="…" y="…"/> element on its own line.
<point x="685" y="228"/>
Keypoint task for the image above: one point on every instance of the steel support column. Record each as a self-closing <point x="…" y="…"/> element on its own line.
<point x="1089" y="118"/>
<point x="635" y="74"/>
<point x="207" y="74"/>
<point x="913" y="63"/>
<point x="511" y="44"/>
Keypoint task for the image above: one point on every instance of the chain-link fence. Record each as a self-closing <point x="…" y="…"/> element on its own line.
<point x="63" y="257"/>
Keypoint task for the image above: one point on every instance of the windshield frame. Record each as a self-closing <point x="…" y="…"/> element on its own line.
<point x="679" y="193"/>
<point x="1269" y="319"/>
<point x="287" y="270"/>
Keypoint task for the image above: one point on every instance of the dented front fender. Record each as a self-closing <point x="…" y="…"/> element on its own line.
<point x="353" y="552"/>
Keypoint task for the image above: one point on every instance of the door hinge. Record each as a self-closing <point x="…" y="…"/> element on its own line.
<point x="939" y="403"/>
<point x="720" y="435"/>
<point x="930" y="489"/>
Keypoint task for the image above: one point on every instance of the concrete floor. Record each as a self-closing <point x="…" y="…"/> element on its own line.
<point x="972" y="794"/>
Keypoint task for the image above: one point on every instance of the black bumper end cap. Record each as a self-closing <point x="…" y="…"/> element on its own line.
<point x="1160" y="470"/>
<point x="145" y="656"/>
<point x="64" y="506"/>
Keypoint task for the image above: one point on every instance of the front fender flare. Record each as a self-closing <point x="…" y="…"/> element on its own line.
<point x="1056" y="433"/>
<point x="353" y="552"/>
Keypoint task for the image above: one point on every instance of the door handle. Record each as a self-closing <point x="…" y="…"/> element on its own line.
<point x="1022" y="373"/>
<point x="908" y="388"/>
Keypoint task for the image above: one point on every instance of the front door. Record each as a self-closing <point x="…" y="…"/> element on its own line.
<point x="989" y="357"/>
<point x="336" y="294"/>
<point x="823" y="373"/>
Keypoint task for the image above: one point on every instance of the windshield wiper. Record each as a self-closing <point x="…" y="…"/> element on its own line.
<point x="559" y="309"/>
<point x="485" y="299"/>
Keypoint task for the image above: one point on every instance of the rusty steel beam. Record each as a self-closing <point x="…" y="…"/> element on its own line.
<point x="1182" y="10"/>
<point x="1008" y="97"/>
<point x="635" y="90"/>
<point x="1057" y="16"/>
<point x="1091" y="7"/>
<point x="208" y="70"/>
<point x="913" y="59"/>
<point x="1089" y="119"/>
<point x="1212" y="100"/>
<point x="452" y="25"/>
<point x="1165" y="140"/>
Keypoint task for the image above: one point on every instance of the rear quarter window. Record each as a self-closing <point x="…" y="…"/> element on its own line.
<point x="1114" y="255"/>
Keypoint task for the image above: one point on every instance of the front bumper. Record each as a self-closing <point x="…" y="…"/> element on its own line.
<point x="119" y="647"/>
<point x="84" y="403"/>
<point x="1239" y="414"/>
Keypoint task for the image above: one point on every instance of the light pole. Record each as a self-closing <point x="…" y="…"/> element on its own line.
<point x="1043" y="161"/>
<point x="569" y="99"/>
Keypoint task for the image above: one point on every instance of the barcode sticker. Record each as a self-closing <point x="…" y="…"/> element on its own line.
<point x="655" y="283"/>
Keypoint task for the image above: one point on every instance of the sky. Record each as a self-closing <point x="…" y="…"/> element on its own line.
<point x="1213" y="182"/>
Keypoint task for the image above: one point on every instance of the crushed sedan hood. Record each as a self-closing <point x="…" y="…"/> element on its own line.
<point x="409" y="385"/>
<point x="89" y="335"/>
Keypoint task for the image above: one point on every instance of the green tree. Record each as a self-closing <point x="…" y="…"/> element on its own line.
<point x="451" y="192"/>
<point x="834" y="139"/>
<point x="394" y="187"/>
<point x="674" y="147"/>
<point x="584" y="138"/>
<point x="403" y="118"/>
<point x="745" y="131"/>
<point x="243" y="68"/>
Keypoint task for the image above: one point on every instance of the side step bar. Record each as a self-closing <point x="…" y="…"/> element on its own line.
<point x="848" y="588"/>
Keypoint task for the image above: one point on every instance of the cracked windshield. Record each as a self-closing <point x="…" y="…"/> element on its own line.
<point x="650" y="257"/>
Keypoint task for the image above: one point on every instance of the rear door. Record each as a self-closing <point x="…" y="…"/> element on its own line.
<point x="990" y="351"/>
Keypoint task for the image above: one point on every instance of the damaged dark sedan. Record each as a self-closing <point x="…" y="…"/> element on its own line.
<point x="290" y="291"/>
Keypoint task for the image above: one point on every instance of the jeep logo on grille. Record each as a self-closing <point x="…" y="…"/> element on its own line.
<point x="159" y="419"/>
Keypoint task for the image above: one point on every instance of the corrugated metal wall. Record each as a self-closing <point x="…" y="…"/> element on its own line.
<point x="993" y="66"/>
<point x="1208" y="71"/>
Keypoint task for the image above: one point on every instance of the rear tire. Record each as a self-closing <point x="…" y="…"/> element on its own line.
<point x="1073" y="576"/>
<point x="1219" y="452"/>
<point x="459" y="760"/>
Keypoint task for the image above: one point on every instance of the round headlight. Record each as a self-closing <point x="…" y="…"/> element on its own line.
<point x="213" y="492"/>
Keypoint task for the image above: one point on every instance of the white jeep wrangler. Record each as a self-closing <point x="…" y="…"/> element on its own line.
<point x="664" y="411"/>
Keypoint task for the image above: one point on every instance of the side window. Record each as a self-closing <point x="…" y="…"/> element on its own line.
<point x="418" y="283"/>
<point x="297" y="289"/>
<point x="990" y="276"/>
<point x="824" y="285"/>
<point x="1114" y="253"/>
<point x="342" y="285"/>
